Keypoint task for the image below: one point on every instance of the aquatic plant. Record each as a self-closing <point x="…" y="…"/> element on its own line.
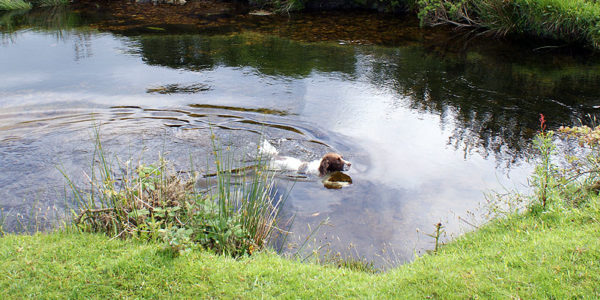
<point x="151" y="202"/>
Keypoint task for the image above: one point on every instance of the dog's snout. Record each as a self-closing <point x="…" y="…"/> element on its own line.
<point x="347" y="165"/>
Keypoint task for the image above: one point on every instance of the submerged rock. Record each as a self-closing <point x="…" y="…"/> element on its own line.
<point x="260" y="12"/>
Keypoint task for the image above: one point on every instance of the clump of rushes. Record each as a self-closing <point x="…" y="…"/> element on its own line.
<point x="151" y="202"/>
<point x="245" y="209"/>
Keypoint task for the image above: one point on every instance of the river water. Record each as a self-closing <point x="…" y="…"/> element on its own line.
<point x="430" y="118"/>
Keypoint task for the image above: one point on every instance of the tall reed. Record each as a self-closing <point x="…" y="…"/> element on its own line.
<point x="247" y="193"/>
<point x="236" y="216"/>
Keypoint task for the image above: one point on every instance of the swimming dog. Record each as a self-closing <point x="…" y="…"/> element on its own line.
<point x="329" y="163"/>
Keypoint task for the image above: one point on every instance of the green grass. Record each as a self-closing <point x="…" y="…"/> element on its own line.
<point x="555" y="254"/>
<point x="573" y="21"/>
<point x="22" y="4"/>
<point x="14" y="4"/>
<point x="568" y="20"/>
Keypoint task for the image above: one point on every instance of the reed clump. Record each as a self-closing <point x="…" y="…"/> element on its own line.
<point x="236" y="216"/>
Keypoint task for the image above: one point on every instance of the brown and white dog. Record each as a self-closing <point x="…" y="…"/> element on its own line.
<point x="329" y="163"/>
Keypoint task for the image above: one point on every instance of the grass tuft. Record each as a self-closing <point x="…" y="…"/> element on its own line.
<point x="14" y="4"/>
<point x="573" y="21"/>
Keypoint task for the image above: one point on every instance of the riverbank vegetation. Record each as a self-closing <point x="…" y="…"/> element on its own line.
<point x="236" y="214"/>
<point x="14" y="4"/>
<point x="573" y="21"/>
<point x="23" y="4"/>
<point x="539" y="246"/>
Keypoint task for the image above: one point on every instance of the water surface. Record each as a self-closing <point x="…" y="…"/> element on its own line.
<point x="430" y="118"/>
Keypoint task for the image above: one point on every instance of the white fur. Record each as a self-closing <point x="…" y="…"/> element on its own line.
<point x="267" y="149"/>
<point x="287" y="163"/>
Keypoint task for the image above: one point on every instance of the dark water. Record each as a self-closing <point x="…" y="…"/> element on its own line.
<point x="430" y="118"/>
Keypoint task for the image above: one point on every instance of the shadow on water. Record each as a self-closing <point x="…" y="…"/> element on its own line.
<point x="429" y="118"/>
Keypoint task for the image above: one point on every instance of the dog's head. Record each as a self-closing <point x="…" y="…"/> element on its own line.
<point x="332" y="162"/>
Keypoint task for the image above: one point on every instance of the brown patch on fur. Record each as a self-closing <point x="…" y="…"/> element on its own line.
<point x="332" y="162"/>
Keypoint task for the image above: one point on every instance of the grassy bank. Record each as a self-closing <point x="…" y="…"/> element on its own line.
<point x="22" y="4"/>
<point x="573" y="21"/>
<point x="14" y="4"/>
<point x="551" y="255"/>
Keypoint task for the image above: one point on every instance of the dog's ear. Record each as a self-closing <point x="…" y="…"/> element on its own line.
<point x="323" y="166"/>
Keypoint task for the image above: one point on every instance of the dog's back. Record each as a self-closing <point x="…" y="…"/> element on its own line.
<point x="330" y="162"/>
